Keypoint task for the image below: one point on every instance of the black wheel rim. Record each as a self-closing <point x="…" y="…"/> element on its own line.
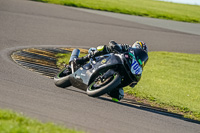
<point x="98" y="84"/>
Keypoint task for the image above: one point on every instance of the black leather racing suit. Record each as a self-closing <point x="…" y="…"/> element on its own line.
<point x="113" y="47"/>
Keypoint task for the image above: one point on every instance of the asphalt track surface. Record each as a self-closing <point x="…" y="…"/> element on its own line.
<point x="26" y="23"/>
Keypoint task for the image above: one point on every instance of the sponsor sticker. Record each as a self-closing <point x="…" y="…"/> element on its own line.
<point x="135" y="67"/>
<point x="103" y="61"/>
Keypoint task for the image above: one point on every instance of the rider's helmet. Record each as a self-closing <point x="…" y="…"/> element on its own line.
<point x="141" y="52"/>
<point x="141" y="45"/>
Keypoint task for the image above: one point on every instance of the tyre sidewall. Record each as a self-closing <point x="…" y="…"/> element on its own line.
<point x="62" y="81"/>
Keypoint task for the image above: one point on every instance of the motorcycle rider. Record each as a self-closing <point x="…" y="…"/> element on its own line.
<point x="113" y="47"/>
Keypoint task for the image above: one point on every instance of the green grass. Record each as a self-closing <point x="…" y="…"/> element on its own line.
<point x="171" y="80"/>
<point x="11" y="122"/>
<point x="148" y="8"/>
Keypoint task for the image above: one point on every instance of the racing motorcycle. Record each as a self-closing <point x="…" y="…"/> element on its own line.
<point x="104" y="73"/>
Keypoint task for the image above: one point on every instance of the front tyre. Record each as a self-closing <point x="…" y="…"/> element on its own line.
<point x="62" y="79"/>
<point x="98" y="88"/>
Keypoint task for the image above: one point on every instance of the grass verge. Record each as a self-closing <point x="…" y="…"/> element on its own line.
<point x="171" y="81"/>
<point x="11" y="122"/>
<point x="148" y="8"/>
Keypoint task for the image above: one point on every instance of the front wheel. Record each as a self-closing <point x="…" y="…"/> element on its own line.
<point x="62" y="79"/>
<point x="100" y="87"/>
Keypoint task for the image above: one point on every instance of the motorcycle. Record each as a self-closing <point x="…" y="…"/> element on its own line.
<point x="103" y="73"/>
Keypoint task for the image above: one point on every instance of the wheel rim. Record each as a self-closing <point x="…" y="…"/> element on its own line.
<point x="98" y="84"/>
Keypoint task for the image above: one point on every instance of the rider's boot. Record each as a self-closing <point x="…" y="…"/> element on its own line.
<point x="117" y="94"/>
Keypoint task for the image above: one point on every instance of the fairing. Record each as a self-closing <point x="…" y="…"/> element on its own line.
<point x="87" y="73"/>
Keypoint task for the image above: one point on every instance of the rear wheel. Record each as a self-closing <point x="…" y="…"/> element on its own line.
<point x="62" y="78"/>
<point x="102" y="86"/>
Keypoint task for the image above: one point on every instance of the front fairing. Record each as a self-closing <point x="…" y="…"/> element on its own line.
<point x="135" y="68"/>
<point x="132" y="67"/>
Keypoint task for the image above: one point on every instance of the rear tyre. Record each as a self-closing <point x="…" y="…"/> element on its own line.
<point x="98" y="88"/>
<point x="62" y="79"/>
